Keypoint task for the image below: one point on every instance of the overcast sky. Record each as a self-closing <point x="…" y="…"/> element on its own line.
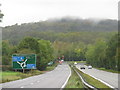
<point x="24" y="11"/>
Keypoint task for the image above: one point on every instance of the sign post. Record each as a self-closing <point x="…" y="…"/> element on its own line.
<point x="24" y="61"/>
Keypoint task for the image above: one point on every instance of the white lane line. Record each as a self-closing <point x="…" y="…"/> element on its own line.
<point x="22" y="87"/>
<point x="38" y="81"/>
<point x="63" y="86"/>
<point x="99" y="79"/>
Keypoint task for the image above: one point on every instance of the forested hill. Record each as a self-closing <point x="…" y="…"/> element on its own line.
<point x="66" y="25"/>
<point x="65" y="29"/>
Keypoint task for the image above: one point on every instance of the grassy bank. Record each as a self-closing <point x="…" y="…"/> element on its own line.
<point x="93" y="81"/>
<point x="11" y="75"/>
<point x="49" y="68"/>
<point x="72" y="62"/>
<point x="74" y="81"/>
<point x="108" y="70"/>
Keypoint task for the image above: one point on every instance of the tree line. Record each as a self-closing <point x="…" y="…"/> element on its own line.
<point x="105" y="54"/>
<point x="100" y="49"/>
<point x="42" y="48"/>
<point x="57" y="29"/>
<point x="101" y="53"/>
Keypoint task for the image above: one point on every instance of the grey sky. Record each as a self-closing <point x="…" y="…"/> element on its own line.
<point x="23" y="11"/>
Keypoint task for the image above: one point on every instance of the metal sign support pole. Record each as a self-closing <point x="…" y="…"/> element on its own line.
<point x="31" y="71"/>
<point x="23" y="70"/>
<point x="15" y="70"/>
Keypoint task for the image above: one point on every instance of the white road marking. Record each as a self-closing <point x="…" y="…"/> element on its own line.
<point x="98" y="79"/>
<point x="38" y="81"/>
<point x="63" y="86"/>
<point x="101" y="81"/>
<point x="22" y="87"/>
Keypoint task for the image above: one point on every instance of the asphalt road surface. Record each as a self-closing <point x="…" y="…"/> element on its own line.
<point x="52" y="79"/>
<point x="108" y="77"/>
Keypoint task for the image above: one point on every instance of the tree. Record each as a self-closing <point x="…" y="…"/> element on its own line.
<point x="29" y="43"/>
<point x="6" y="50"/>
<point x="42" y="48"/>
<point x="111" y="53"/>
<point x="1" y="15"/>
<point x="95" y="53"/>
<point x="118" y="53"/>
<point x="45" y="55"/>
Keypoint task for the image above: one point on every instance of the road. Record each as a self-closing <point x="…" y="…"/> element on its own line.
<point x="52" y="79"/>
<point x="108" y="77"/>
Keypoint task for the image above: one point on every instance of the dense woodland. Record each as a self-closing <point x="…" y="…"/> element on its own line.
<point x="47" y="29"/>
<point x="76" y="39"/>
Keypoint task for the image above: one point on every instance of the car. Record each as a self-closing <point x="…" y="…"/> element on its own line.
<point x="75" y="63"/>
<point x="82" y="67"/>
<point x="60" y="62"/>
<point x="50" y="63"/>
<point x="89" y="67"/>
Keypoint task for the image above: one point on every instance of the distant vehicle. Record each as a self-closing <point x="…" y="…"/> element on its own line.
<point x="75" y="63"/>
<point x="82" y="67"/>
<point x="89" y="67"/>
<point x="60" y="62"/>
<point x="50" y="63"/>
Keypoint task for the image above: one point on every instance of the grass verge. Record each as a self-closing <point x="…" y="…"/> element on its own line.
<point x="49" y="68"/>
<point x="12" y="76"/>
<point x="108" y="70"/>
<point x="74" y="81"/>
<point x="93" y="81"/>
<point x="72" y="62"/>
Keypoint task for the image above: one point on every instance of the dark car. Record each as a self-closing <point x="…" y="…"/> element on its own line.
<point x="82" y="67"/>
